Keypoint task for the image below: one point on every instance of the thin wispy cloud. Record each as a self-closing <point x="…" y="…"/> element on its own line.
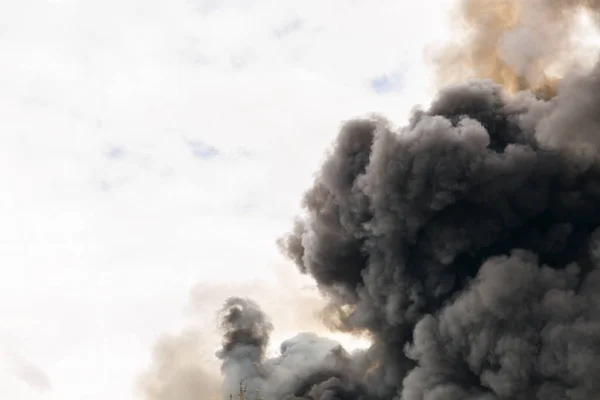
<point x="33" y="376"/>
<point x="203" y="150"/>
<point x="115" y="152"/>
<point x="288" y="28"/>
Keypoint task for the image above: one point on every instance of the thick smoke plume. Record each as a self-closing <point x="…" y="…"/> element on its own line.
<point x="466" y="244"/>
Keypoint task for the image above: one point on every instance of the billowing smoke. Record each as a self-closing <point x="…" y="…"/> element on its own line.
<point x="522" y="44"/>
<point x="466" y="245"/>
<point x="307" y="366"/>
<point x="183" y="366"/>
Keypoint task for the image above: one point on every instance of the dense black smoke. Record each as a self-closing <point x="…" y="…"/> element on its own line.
<point x="465" y="244"/>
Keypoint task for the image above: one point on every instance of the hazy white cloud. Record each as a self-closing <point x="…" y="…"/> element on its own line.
<point x="149" y="147"/>
<point x="17" y="369"/>
<point x="33" y="376"/>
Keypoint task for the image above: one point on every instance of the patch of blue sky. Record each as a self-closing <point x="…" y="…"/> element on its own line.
<point x="387" y="83"/>
<point x="203" y="150"/>
<point x="115" y="152"/>
<point x="288" y="28"/>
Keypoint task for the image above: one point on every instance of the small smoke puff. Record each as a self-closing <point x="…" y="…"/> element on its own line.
<point x="244" y="324"/>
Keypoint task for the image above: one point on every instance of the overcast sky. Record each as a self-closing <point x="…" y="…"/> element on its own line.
<point x="148" y="148"/>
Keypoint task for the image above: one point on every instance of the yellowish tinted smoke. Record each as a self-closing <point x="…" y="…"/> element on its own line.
<point x="183" y="366"/>
<point x="498" y="17"/>
<point x="372" y="368"/>
<point x="488" y="22"/>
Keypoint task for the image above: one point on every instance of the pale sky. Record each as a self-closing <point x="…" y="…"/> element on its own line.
<point x="151" y="147"/>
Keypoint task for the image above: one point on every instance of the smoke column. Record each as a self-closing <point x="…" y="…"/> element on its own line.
<point x="183" y="366"/>
<point x="466" y="244"/>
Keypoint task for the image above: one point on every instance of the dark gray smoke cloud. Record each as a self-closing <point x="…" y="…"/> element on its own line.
<point x="465" y="244"/>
